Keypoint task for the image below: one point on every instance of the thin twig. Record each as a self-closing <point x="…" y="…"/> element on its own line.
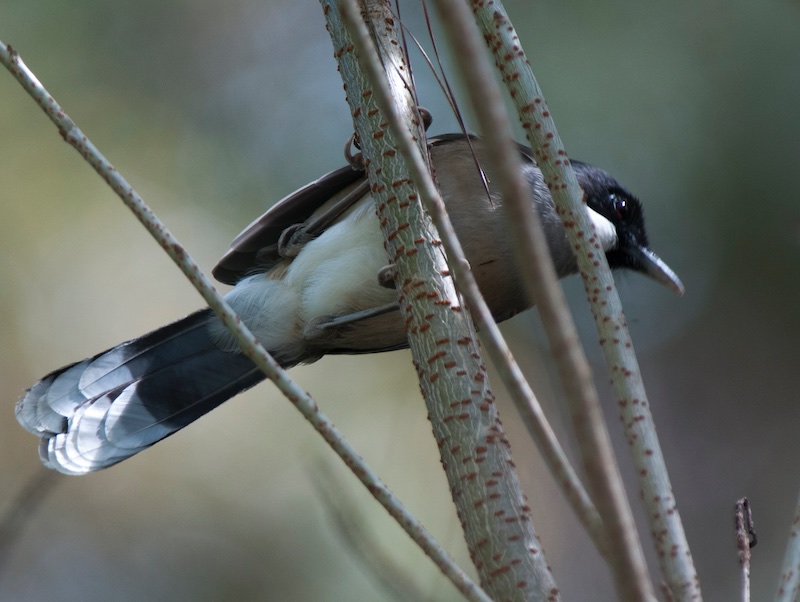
<point x="496" y="347"/>
<point x="670" y="539"/>
<point x="789" y="584"/>
<point x="745" y="540"/>
<point x="250" y="345"/>
<point x="621" y="543"/>
<point x="475" y="453"/>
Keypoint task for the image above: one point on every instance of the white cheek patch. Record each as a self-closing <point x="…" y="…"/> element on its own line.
<point x="605" y="230"/>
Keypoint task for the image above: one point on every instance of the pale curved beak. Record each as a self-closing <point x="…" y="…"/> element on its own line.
<point x="652" y="265"/>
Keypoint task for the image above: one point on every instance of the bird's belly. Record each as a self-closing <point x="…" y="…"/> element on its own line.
<point x="336" y="274"/>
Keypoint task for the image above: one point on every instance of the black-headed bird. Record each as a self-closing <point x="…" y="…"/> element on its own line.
<point x="307" y="284"/>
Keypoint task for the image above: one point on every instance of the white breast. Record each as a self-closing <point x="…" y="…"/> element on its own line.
<point x="337" y="273"/>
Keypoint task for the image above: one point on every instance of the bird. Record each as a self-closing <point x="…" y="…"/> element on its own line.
<point x="311" y="278"/>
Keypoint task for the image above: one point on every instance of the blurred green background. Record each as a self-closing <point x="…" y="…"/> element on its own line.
<point x="214" y="110"/>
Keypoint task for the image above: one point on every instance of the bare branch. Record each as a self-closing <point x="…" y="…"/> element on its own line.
<point x="475" y="453"/>
<point x="670" y="539"/>
<point x="621" y="543"/>
<point x="745" y="540"/>
<point x="789" y="584"/>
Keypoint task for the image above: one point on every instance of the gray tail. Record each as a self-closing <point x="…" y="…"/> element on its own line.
<point x="102" y="410"/>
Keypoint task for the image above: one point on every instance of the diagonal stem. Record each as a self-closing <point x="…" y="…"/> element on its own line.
<point x="250" y="345"/>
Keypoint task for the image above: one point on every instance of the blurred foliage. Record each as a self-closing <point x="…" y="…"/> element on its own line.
<point x="214" y="110"/>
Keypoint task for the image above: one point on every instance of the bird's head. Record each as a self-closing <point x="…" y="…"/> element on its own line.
<point x="611" y="200"/>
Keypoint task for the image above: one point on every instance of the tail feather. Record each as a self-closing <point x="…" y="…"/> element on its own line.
<point x="102" y="410"/>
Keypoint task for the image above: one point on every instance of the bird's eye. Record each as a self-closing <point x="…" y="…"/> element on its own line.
<point x="620" y="205"/>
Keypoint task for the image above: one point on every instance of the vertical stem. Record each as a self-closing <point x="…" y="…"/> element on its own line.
<point x="622" y="547"/>
<point x="789" y="584"/>
<point x="474" y="450"/>
<point x="674" y="555"/>
<point x="743" y="520"/>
